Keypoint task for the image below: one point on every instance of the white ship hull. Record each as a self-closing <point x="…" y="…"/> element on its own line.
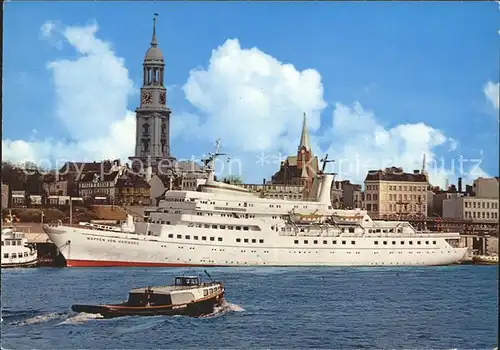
<point x="93" y="248"/>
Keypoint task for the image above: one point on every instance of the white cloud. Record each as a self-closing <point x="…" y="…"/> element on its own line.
<point x="491" y="91"/>
<point x="251" y="99"/>
<point x="91" y="102"/>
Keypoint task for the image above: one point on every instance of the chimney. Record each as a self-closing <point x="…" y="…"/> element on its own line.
<point x="459" y="185"/>
<point x="416" y="171"/>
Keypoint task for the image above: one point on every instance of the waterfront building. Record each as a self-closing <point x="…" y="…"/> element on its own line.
<point x="132" y="189"/>
<point x="471" y="208"/>
<point x="392" y="193"/>
<point x="96" y="186"/>
<point x="269" y="190"/>
<point x="346" y="195"/>
<point x="486" y="187"/>
<point x="18" y="199"/>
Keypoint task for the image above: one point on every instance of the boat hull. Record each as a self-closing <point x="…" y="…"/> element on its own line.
<point x="93" y="248"/>
<point x="485" y="260"/>
<point x="32" y="263"/>
<point x="193" y="309"/>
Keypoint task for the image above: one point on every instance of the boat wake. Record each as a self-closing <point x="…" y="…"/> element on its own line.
<point x="25" y="318"/>
<point x="80" y="318"/>
<point x="42" y="318"/>
<point x="225" y="308"/>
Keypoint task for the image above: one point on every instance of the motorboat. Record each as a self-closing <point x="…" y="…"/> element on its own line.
<point x="187" y="296"/>
<point x="485" y="259"/>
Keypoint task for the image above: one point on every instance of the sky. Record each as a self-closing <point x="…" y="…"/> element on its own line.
<point x="381" y="83"/>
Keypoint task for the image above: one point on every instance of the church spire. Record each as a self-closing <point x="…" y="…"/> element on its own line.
<point x="304" y="139"/>
<point x="153" y="39"/>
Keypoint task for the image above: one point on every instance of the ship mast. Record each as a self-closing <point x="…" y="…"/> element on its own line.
<point x="210" y="161"/>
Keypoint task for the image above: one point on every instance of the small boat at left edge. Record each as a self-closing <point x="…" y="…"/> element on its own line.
<point x="187" y="296"/>
<point x="16" y="252"/>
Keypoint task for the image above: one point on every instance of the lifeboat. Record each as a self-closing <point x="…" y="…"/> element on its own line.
<point x="338" y="218"/>
<point x="306" y="218"/>
<point x="187" y="296"/>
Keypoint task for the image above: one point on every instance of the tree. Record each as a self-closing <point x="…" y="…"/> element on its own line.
<point x="34" y="183"/>
<point x="14" y="176"/>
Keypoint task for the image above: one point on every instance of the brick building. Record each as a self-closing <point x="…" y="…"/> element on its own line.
<point x="132" y="189"/>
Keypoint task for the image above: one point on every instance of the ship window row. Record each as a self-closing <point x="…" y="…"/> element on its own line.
<point x="196" y="238"/>
<point x="211" y="291"/>
<point x="163" y="222"/>
<point x="224" y="215"/>
<point x="12" y="242"/>
<point x="248" y="240"/>
<point x="315" y="241"/>
<point x="349" y="229"/>
<point x="15" y="255"/>
<point x="224" y="227"/>
<point x="245" y="204"/>
<point x="403" y="242"/>
<point x="173" y="199"/>
<point x="389" y="230"/>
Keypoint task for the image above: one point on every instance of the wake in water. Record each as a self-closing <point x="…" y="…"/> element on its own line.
<point x="224" y="309"/>
<point x="43" y="318"/>
<point x="80" y="318"/>
<point x="20" y="318"/>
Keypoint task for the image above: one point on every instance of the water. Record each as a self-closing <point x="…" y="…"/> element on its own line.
<point x="433" y="307"/>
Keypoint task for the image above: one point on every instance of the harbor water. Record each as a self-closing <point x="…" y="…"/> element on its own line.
<point x="429" y="307"/>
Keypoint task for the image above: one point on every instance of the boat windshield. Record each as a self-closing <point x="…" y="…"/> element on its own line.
<point x="186" y="281"/>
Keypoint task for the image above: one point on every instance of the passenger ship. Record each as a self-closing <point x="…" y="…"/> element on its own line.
<point x="225" y="225"/>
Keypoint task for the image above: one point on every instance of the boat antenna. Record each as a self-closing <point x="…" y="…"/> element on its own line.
<point x="208" y="275"/>
<point x="210" y="160"/>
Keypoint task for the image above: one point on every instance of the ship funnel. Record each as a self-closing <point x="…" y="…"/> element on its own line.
<point x="326" y="187"/>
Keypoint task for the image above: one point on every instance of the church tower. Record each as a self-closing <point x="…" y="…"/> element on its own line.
<point x="152" y="144"/>
<point x="306" y="162"/>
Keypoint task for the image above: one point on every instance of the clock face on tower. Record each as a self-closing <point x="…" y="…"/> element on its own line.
<point x="147" y="97"/>
<point x="163" y="98"/>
